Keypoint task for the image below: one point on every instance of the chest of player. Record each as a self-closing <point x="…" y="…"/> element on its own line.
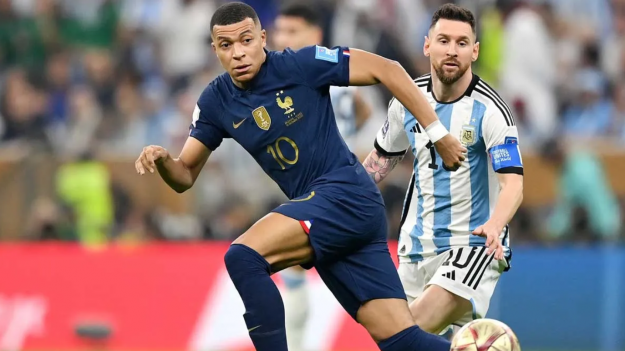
<point x="463" y="120"/>
<point x="256" y="120"/>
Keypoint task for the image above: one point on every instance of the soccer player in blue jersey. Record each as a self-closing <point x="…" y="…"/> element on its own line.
<point x="277" y="106"/>
<point x="454" y="238"/>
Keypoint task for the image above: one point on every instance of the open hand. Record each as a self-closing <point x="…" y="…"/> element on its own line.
<point x="491" y="233"/>
<point x="149" y="157"/>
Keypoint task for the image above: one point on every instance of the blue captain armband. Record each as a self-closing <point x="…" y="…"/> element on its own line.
<point x="506" y="156"/>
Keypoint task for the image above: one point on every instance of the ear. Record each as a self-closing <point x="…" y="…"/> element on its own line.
<point x="213" y="46"/>
<point x="426" y="46"/>
<point x="263" y="37"/>
<point x="476" y="51"/>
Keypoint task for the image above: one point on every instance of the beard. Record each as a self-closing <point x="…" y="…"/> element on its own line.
<point x="449" y="77"/>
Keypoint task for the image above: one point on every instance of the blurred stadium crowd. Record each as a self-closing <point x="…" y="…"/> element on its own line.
<point x="84" y="84"/>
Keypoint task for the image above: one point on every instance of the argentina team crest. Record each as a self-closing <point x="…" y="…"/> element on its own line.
<point x="467" y="135"/>
<point x="261" y="117"/>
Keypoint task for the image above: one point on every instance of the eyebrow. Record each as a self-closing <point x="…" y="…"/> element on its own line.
<point x="462" y="37"/>
<point x="249" y="31"/>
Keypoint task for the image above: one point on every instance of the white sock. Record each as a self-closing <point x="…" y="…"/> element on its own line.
<point x="296" y="306"/>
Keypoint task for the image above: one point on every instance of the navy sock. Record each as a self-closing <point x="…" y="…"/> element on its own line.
<point x="264" y="310"/>
<point x="414" y="339"/>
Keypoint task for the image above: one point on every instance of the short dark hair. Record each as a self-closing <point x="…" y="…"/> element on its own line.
<point x="233" y="12"/>
<point x="454" y="13"/>
<point x="303" y="11"/>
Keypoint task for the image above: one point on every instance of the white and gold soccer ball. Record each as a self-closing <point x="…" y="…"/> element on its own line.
<point x="485" y="335"/>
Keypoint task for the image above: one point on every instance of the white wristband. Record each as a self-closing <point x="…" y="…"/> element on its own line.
<point x="436" y="131"/>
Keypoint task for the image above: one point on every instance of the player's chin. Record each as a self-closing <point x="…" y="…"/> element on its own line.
<point x="243" y="77"/>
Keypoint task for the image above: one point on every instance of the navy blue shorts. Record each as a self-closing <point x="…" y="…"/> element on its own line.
<point x="347" y="231"/>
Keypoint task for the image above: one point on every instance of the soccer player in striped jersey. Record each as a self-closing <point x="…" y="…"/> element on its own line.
<point x="296" y="26"/>
<point x="454" y="239"/>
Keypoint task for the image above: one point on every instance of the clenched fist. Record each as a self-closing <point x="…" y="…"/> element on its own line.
<point x="149" y="157"/>
<point x="451" y="151"/>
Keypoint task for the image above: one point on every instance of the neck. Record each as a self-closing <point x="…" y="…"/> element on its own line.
<point x="451" y="92"/>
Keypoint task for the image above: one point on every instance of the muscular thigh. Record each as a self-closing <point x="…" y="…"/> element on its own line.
<point x="280" y="240"/>
<point x="452" y="288"/>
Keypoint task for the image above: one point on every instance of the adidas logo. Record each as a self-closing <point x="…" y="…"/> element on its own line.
<point x="451" y="275"/>
<point x="402" y="250"/>
<point x="416" y="129"/>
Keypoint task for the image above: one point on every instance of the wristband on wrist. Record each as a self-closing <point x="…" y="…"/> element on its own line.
<point x="436" y="131"/>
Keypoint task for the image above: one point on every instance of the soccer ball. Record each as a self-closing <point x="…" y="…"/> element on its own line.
<point x="485" y="335"/>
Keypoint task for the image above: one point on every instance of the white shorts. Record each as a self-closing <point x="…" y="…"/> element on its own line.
<point x="464" y="271"/>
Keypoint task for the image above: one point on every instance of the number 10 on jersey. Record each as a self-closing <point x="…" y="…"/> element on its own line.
<point x="276" y="152"/>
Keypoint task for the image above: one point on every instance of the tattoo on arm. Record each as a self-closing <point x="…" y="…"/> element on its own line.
<point x="379" y="166"/>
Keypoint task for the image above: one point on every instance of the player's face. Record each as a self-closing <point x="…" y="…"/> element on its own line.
<point x="295" y="33"/>
<point x="239" y="47"/>
<point x="452" y="48"/>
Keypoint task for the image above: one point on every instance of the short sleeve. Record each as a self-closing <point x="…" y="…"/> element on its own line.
<point x="502" y="141"/>
<point x="320" y="66"/>
<point x="206" y="123"/>
<point x="391" y="139"/>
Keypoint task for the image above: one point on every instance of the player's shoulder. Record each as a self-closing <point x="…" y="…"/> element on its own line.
<point x="495" y="105"/>
<point x="214" y="93"/>
<point x="423" y="81"/>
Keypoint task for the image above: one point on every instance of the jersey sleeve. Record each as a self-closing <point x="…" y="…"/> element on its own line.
<point x="502" y="141"/>
<point x="321" y="67"/>
<point x="391" y="139"/>
<point x="206" y="124"/>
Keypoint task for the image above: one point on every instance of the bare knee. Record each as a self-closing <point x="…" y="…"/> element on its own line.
<point x="384" y="318"/>
<point x="437" y="308"/>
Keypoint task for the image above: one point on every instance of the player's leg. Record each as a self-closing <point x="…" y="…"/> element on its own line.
<point x="368" y="287"/>
<point x="458" y="291"/>
<point x="296" y="305"/>
<point x="275" y="242"/>
<point x="438" y="308"/>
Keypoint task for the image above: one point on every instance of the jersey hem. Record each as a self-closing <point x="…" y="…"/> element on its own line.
<point x="379" y="148"/>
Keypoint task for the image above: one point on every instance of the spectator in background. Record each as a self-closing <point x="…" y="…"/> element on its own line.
<point x="58" y="82"/>
<point x="583" y="187"/>
<point x="24" y="110"/>
<point x="25" y="40"/>
<point x="182" y="34"/>
<point x="528" y="70"/>
<point x="617" y="129"/>
<point x="84" y="186"/>
<point x="75" y="135"/>
<point x="89" y="24"/>
<point x="590" y="114"/>
<point x="613" y="46"/>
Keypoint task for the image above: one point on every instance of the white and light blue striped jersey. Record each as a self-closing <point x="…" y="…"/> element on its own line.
<point x="344" y="111"/>
<point x="442" y="208"/>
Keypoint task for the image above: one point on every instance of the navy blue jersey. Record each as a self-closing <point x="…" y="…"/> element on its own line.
<point x="284" y="119"/>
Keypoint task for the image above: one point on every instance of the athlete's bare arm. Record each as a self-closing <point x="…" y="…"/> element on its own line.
<point x="509" y="200"/>
<point x="366" y="68"/>
<point x="179" y="173"/>
<point x="379" y="166"/>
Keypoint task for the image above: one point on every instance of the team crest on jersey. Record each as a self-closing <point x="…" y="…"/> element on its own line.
<point x="261" y="117"/>
<point x="467" y="136"/>
<point x="286" y="104"/>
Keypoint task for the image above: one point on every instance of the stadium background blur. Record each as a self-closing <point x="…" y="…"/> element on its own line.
<point x="84" y="85"/>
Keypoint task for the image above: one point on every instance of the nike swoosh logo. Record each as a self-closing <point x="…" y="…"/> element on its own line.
<point x="312" y="194"/>
<point x="256" y="327"/>
<point x="237" y="125"/>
